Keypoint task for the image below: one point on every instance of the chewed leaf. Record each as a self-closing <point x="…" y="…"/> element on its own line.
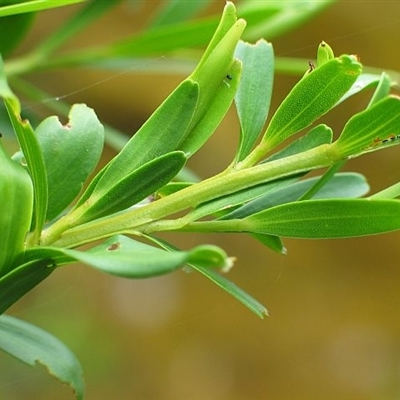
<point x="71" y="152"/>
<point x="313" y="96"/>
<point x="33" y="346"/>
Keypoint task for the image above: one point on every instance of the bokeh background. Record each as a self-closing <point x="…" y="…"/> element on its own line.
<point x="334" y="329"/>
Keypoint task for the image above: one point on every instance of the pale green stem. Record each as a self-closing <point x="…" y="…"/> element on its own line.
<point x="137" y="219"/>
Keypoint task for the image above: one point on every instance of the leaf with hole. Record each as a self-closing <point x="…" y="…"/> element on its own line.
<point x="71" y="152"/>
<point x="34" y="346"/>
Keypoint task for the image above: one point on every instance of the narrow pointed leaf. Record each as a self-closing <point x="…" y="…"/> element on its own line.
<point x="390" y="192"/>
<point x="239" y="294"/>
<point x="313" y="96"/>
<point x="253" y="96"/>
<point x="71" y="152"/>
<point x="321" y="134"/>
<point x="382" y="90"/>
<point x="323" y="219"/>
<point x="36" y="166"/>
<point x="133" y="188"/>
<point x="33" y="346"/>
<point x="363" y="82"/>
<point x="231" y="288"/>
<point x="215" y="113"/>
<point x="215" y="66"/>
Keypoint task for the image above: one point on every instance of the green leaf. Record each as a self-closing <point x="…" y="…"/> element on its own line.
<point x="374" y="128"/>
<point x="217" y="60"/>
<point x="390" y="192"/>
<point x="313" y="96"/>
<point x="239" y="294"/>
<point x="36" y="165"/>
<point x="71" y="152"/>
<point x="253" y="96"/>
<point x="16" y="201"/>
<point x="23" y="279"/>
<point x="215" y="112"/>
<point x="34" y="5"/>
<point x="33" y="346"/>
<point x="363" y="82"/>
<point x="324" y="219"/>
<point x="161" y="134"/>
<point x="130" y="190"/>
<point x="128" y="258"/>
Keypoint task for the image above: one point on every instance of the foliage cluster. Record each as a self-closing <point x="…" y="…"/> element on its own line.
<point x="264" y="192"/>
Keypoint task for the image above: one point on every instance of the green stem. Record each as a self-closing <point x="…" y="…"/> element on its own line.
<point x="215" y="187"/>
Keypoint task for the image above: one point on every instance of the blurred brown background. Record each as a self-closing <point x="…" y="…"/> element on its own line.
<point x="334" y="329"/>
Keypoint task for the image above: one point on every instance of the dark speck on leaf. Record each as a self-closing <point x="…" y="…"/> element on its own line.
<point x="114" y="246"/>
